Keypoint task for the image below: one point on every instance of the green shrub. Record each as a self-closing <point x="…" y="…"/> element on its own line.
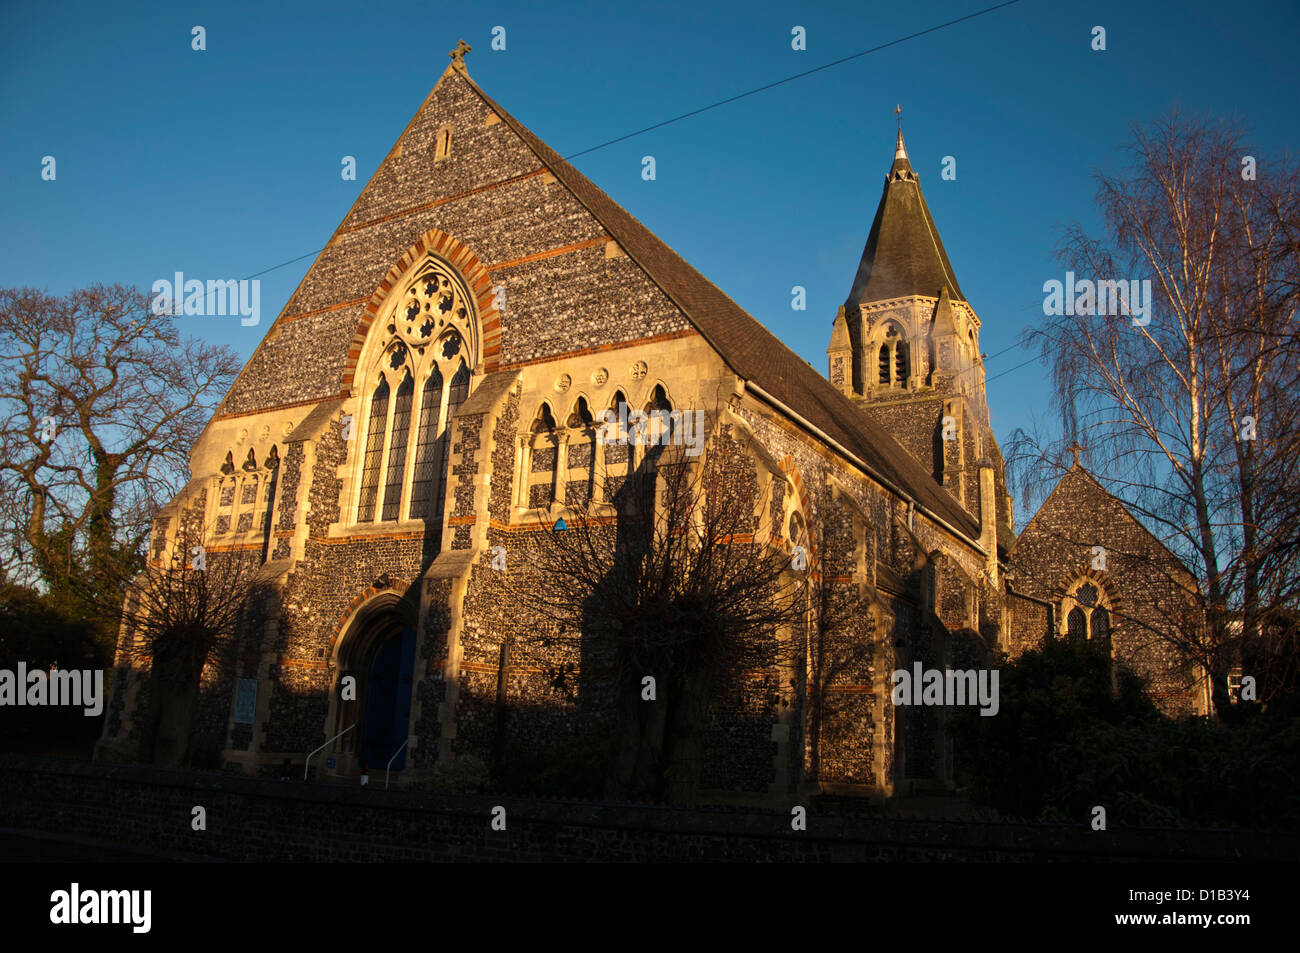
<point x="1063" y="742"/>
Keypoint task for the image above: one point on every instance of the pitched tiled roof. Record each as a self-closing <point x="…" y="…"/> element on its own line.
<point x="904" y="255"/>
<point x="748" y="348"/>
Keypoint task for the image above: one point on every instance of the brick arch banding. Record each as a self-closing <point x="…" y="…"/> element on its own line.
<point x="1072" y="580"/>
<point x="803" y="506"/>
<point x="398" y="588"/>
<point x="477" y="278"/>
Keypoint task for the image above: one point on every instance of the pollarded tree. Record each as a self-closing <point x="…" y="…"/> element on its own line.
<point x="675" y="597"/>
<point x="184" y="607"/>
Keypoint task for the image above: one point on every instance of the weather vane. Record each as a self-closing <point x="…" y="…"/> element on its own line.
<point x="898" y="114"/>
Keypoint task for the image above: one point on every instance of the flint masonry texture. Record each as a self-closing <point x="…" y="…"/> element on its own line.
<point x="596" y="306"/>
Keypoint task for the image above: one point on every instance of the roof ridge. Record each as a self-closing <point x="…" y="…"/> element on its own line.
<point x="526" y="134"/>
<point x="933" y="231"/>
<point x="730" y="330"/>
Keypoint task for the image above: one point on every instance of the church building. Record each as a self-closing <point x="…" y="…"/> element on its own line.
<point x="430" y="395"/>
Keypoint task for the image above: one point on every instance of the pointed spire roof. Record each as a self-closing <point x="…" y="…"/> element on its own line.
<point x="904" y="255"/>
<point x="900" y="155"/>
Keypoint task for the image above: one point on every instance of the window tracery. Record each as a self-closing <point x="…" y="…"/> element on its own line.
<point x="1086" y="613"/>
<point x="244" y="496"/>
<point x="419" y="378"/>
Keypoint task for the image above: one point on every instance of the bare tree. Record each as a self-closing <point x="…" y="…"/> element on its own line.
<point x="674" y="596"/>
<point x="100" y="402"/>
<point x="1193" y="405"/>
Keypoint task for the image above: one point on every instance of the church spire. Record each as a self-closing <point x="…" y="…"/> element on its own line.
<point x="903" y="255"/>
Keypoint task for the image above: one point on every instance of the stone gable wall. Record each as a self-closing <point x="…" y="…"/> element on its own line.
<point x="554" y="303"/>
<point x="1140" y="577"/>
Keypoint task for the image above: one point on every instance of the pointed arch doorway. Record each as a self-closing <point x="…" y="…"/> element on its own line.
<point x="378" y="650"/>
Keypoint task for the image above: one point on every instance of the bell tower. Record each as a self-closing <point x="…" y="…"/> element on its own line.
<point x="905" y="346"/>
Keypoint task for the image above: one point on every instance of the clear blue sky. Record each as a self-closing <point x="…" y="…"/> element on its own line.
<point x="226" y="162"/>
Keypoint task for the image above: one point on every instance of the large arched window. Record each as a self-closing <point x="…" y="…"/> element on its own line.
<point x="397" y="452"/>
<point x="428" y="445"/>
<point x="376" y="431"/>
<point x="419" y="376"/>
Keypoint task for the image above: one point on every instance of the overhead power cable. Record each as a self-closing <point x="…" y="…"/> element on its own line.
<point x="731" y="99"/>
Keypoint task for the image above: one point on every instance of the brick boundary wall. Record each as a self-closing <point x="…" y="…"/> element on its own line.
<point x="250" y="819"/>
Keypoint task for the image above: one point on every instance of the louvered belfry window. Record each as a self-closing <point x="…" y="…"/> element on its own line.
<point x="900" y="363"/>
<point x="892" y="367"/>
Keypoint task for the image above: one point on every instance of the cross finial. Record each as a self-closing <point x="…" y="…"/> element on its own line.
<point x="1076" y="448"/>
<point x="458" y="54"/>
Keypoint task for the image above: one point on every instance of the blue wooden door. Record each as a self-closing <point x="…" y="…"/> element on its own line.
<point x="402" y="707"/>
<point x="387" y="718"/>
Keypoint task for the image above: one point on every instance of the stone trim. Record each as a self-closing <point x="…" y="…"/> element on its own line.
<point x="342" y="395"/>
<point x="398" y="588"/>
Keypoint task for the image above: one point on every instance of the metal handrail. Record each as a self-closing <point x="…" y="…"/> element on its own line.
<point x="335" y="738"/>
<point x="394" y="758"/>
